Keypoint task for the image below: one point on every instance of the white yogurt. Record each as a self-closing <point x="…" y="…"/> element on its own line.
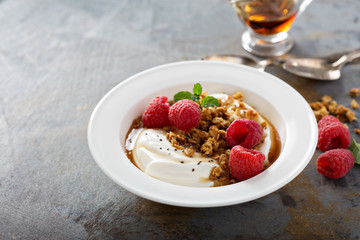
<point x="155" y="156"/>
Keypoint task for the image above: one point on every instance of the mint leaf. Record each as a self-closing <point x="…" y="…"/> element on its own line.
<point x="209" y="102"/>
<point x="355" y="149"/>
<point x="182" y="95"/>
<point x="197" y="89"/>
<point x="195" y="98"/>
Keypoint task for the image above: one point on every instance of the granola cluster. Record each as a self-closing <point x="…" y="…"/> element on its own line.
<point x="329" y="106"/>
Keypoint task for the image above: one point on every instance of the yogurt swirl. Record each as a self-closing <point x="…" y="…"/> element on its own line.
<point x="155" y="156"/>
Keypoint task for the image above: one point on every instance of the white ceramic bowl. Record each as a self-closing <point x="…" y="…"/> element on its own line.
<point x="272" y="97"/>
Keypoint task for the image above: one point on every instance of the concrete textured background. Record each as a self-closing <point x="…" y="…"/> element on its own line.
<point x="58" y="58"/>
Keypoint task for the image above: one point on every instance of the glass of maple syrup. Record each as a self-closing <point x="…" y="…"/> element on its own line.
<point x="268" y="23"/>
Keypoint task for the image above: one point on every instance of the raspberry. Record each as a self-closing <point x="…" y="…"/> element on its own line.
<point x="244" y="132"/>
<point x="156" y="113"/>
<point x="245" y="163"/>
<point x="328" y="120"/>
<point x="332" y="134"/>
<point x="185" y="114"/>
<point x="335" y="163"/>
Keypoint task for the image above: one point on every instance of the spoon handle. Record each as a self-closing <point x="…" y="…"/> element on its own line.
<point x="353" y="55"/>
<point x="347" y="57"/>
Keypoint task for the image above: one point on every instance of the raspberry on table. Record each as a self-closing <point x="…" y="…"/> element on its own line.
<point x="332" y="134"/>
<point x="185" y="114"/>
<point x="328" y="120"/>
<point x="244" y="132"/>
<point x="156" y="113"/>
<point x="335" y="163"/>
<point x="245" y="163"/>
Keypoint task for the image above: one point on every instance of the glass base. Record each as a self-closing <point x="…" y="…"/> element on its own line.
<point x="267" y="46"/>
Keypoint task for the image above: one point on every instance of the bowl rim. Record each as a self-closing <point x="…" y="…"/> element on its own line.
<point x="177" y="200"/>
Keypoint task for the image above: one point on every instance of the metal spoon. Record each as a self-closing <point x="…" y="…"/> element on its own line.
<point x="327" y="68"/>
<point x="244" y="60"/>
<point x="320" y="68"/>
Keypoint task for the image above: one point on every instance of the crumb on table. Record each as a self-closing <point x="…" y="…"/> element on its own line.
<point x="354" y="104"/>
<point x="354" y="92"/>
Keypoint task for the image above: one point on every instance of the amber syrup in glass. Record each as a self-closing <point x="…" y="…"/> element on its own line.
<point x="267" y="17"/>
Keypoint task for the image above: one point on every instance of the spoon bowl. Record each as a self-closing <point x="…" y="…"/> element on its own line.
<point x="312" y="68"/>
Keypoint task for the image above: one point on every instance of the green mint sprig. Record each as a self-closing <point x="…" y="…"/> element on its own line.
<point x="355" y="149"/>
<point x="208" y="101"/>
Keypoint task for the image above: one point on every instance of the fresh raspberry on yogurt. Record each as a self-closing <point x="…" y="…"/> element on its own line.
<point x="185" y="114"/>
<point x="244" y="132"/>
<point x="156" y="113"/>
<point x="245" y="163"/>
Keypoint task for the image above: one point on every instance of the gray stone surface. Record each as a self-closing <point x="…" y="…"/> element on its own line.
<point x="58" y="58"/>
